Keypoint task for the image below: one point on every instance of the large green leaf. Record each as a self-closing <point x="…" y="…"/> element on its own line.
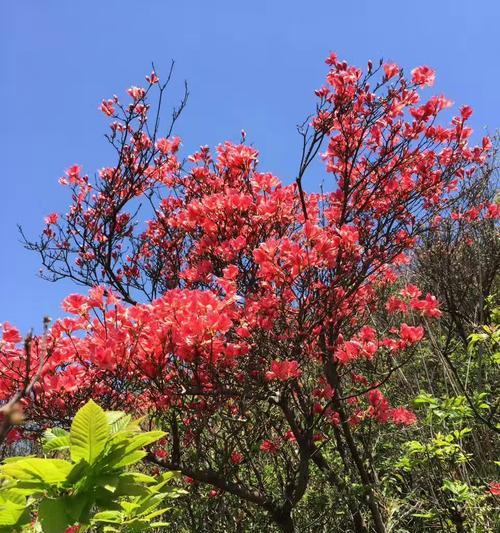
<point x="89" y="433"/>
<point x="13" y="513"/>
<point x="11" y="495"/>
<point x="53" y="516"/>
<point x="49" y="471"/>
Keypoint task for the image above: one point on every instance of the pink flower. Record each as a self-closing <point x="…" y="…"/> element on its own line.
<point x="465" y="111"/>
<point x="73" y="173"/>
<point x="411" y="291"/>
<point x="411" y="334"/>
<point x="52" y="218"/>
<point x="166" y="146"/>
<point x="283" y="370"/>
<point x="395" y="305"/>
<point x="75" y="304"/>
<point x="152" y="78"/>
<point x="428" y="306"/>
<point x="11" y="334"/>
<point x="331" y="59"/>
<point x="107" y="107"/>
<point x="391" y="70"/>
<point x="367" y="333"/>
<point x="486" y="144"/>
<point x="494" y="488"/>
<point x="136" y="93"/>
<point x="401" y="415"/>
<point x="423" y="76"/>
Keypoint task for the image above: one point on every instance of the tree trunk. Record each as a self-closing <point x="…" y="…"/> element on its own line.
<point x="284" y="521"/>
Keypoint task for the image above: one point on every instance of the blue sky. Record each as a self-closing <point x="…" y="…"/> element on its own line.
<point x="251" y="65"/>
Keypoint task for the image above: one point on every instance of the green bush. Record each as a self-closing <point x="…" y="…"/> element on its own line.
<point x="88" y="480"/>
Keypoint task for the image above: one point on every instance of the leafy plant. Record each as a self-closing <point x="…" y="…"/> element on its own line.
<point x="89" y="483"/>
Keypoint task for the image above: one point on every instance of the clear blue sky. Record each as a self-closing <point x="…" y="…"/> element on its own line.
<point x="250" y="64"/>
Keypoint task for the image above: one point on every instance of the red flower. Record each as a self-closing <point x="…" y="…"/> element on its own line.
<point x="14" y="435"/>
<point x="136" y="93"/>
<point x="75" y="304"/>
<point x="284" y="370"/>
<point x="161" y="453"/>
<point x="465" y="111"/>
<point x="411" y="291"/>
<point x="411" y="334"/>
<point x="107" y="107"/>
<point x="236" y="458"/>
<point x="395" y="305"/>
<point x="52" y="218"/>
<point x="379" y="406"/>
<point x="401" y="415"/>
<point x="494" y="488"/>
<point x="11" y="334"/>
<point x="73" y="173"/>
<point x="152" y="78"/>
<point x="423" y="76"/>
<point x="428" y="306"/>
<point x="391" y="70"/>
<point x="493" y="211"/>
<point x="268" y="446"/>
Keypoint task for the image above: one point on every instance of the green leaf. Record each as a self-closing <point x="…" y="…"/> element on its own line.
<point x="137" y="477"/>
<point x="140" y="441"/>
<point x="13" y="513"/>
<point x="156" y="513"/>
<point x="56" y="443"/>
<point x="78" y="471"/>
<point x="114" y="517"/>
<point x="128" y="459"/>
<point x="117" y="420"/>
<point x="77" y="506"/>
<point x="49" y="471"/>
<point x="54" y="433"/>
<point x="53" y="516"/>
<point x="89" y="433"/>
<point x="8" y="495"/>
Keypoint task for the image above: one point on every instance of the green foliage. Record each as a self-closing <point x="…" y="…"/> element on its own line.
<point x="442" y="469"/>
<point x="92" y="486"/>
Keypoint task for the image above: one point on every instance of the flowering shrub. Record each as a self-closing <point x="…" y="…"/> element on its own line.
<point x="224" y="302"/>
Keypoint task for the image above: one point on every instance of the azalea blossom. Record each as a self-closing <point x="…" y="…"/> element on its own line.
<point x="423" y="75"/>
<point x="283" y="370"/>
